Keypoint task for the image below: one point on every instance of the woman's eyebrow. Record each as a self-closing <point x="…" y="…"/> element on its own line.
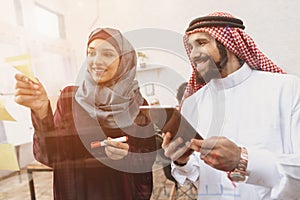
<point x="108" y="49"/>
<point x="91" y="48"/>
<point x="104" y="49"/>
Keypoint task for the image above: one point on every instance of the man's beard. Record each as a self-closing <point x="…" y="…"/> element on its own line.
<point x="213" y="72"/>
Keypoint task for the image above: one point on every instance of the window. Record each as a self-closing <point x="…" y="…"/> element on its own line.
<point x="7" y="80"/>
<point x="3" y="138"/>
<point x="49" y="22"/>
<point x="8" y="12"/>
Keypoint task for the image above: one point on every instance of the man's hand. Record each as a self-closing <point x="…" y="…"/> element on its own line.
<point x="116" y="150"/>
<point x="218" y="152"/>
<point x="172" y="150"/>
<point x="32" y="95"/>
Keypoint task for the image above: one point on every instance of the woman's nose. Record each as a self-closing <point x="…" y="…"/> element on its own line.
<point x="98" y="61"/>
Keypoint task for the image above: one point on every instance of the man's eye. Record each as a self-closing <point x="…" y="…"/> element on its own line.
<point x="201" y="43"/>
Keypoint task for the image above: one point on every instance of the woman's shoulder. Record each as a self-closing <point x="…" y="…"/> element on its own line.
<point x="67" y="94"/>
<point x="68" y="91"/>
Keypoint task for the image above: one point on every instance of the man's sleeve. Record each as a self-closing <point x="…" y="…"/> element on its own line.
<point x="189" y="172"/>
<point x="281" y="173"/>
<point x="289" y="164"/>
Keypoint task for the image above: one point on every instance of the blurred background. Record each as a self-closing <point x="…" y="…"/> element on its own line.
<point x="53" y="35"/>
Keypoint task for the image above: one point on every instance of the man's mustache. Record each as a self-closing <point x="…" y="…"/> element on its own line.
<point x="200" y="59"/>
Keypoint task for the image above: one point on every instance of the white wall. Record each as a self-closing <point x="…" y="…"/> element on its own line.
<point x="273" y="24"/>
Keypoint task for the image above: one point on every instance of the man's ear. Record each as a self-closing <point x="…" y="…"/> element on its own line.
<point x="232" y="58"/>
<point x="225" y="58"/>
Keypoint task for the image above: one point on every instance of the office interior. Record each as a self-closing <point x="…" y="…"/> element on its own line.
<point x="51" y="35"/>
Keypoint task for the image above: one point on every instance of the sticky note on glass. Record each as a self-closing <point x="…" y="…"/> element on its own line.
<point x="8" y="157"/>
<point x="4" y="114"/>
<point x="23" y="64"/>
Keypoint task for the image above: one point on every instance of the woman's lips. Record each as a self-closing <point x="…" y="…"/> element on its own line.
<point x="98" y="71"/>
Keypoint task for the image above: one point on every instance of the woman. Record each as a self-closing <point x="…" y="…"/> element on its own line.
<point x="104" y="105"/>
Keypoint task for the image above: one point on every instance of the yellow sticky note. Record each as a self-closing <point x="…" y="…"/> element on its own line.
<point x="8" y="157"/>
<point x="23" y="64"/>
<point x="4" y="115"/>
<point x="17" y="58"/>
<point x="26" y="70"/>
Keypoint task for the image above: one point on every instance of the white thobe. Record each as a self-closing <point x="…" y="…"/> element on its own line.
<point x="257" y="110"/>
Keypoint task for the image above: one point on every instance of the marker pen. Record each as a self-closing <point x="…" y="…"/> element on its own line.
<point x="102" y="143"/>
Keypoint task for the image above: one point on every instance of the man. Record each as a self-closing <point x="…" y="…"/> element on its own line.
<point x="248" y="116"/>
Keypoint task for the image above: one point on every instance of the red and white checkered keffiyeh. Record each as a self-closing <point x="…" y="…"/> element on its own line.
<point x="238" y="42"/>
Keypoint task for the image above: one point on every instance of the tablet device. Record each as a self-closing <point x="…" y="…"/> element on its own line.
<point x="169" y="119"/>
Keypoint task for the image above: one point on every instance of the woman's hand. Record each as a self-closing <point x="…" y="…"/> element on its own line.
<point x="172" y="150"/>
<point x="218" y="152"/>
<point x="116" y="150"/>
<point x="32" y="95"/>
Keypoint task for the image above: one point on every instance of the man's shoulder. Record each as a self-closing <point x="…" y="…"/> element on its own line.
<point x="275" y="77"/>
<point x="194" y="99"/>
<point x="198" y="94"/>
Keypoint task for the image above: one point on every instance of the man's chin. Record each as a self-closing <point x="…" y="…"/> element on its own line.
<point x="200" y="80"/>
<point x="205" y="77"/>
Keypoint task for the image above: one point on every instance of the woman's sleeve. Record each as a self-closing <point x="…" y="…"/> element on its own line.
<point x="41" y="125"/>
<point x="46" y="143"/>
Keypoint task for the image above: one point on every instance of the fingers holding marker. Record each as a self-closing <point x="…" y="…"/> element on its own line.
<point x="118" y="144"/>
<point x="115" y="153"/>
<point x="115" y="149"/>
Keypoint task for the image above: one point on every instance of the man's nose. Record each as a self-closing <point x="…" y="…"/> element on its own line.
<point x="195" y="52"/>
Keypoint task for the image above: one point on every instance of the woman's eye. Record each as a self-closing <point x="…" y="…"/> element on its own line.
<point x="91" y="53"/>
<point x="108" y="54"/>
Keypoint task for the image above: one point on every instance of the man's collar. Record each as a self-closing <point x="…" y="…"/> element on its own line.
<point x="232" y="79"/>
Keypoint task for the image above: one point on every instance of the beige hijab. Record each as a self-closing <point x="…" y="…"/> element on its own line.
<point x="114" y="104"/>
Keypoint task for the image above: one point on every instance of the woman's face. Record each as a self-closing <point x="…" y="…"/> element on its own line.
<point x="103" y="60"/>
